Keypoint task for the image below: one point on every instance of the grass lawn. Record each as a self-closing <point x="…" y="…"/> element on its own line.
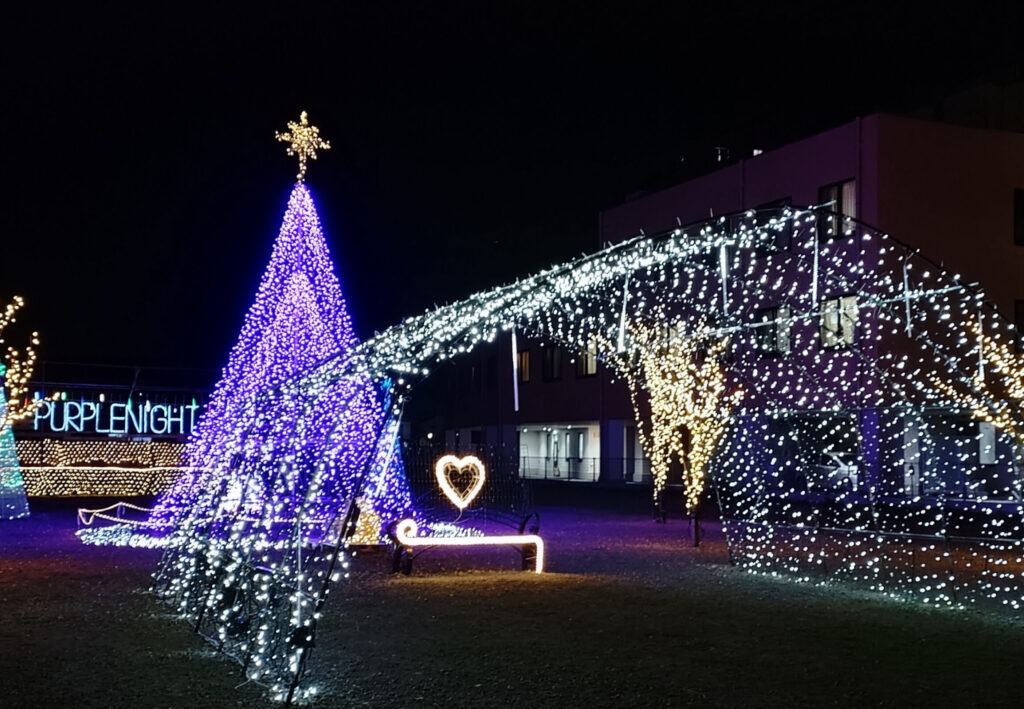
<point x="629" y="615"/>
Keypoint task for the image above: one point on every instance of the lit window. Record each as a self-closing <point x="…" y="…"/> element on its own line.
<point x="838" y="321"/>
<point x="523" y="366"/>
<point x="838" y="210"/>
<point x="586" y="361"/>
<point x="772" y="330"/>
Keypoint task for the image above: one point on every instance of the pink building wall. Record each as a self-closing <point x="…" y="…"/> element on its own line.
<point x="947" y="190"/>
<point x="795" y="171"/>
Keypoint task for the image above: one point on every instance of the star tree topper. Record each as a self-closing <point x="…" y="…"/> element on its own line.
<point x="304" y="141"/>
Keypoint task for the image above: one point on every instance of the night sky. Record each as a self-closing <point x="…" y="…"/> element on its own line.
<point x="472" y="142"/>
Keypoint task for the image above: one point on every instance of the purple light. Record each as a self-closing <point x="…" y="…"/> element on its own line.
<point x="282" y="455"/>
<point x="258" y="418"/>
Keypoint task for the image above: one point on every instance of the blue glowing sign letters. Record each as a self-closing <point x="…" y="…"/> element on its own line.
<point x="116" y="418"/>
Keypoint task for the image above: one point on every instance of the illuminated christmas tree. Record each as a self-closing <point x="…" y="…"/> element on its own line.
<point x="297" y="320"/>
<point x="285" y="455"/>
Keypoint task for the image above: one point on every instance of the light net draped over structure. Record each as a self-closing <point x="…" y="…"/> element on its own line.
<point x="846" y="457"/>
<point x="843" y="458"/>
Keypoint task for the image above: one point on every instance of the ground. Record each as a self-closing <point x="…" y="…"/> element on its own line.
<point x="628" y="615"/>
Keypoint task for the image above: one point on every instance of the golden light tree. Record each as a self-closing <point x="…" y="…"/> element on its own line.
<point x="17" y="370"/>
<point x="996" y="392"/>
<point x="679" y="394"/>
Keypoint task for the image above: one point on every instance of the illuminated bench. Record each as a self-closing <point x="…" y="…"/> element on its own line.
<point x="405" y="534"/>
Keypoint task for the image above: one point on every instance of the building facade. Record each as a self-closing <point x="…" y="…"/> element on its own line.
<point x="954" y="193"/>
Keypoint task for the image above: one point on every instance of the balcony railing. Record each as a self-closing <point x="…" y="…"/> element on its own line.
<point x="540" y="468"/>
<point x="627" y="470"/>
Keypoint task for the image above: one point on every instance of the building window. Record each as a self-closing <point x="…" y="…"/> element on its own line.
<point x="552" y="368"/>
<point x="779" y="237"/>
<point x="838" y="321"/>
<point x="772" y="333"/>
<point x="575" y="443"/>
<point x="523" y="365"/>
<point x="586" y="360"/>
<point x="839" y="208"/>
<point x="673" y="336"/>
<point x="492" y="371"/>
<point x="1018" y="217"/>
<point x="469" y="375"/>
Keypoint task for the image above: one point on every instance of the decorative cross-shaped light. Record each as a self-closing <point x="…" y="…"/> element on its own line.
<point x="304" y="140"/>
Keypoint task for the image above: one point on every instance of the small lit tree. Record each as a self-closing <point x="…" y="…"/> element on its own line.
<point x="17" y="370"/>
<point x="14" y="406"/>
<point x="679" y="394"/>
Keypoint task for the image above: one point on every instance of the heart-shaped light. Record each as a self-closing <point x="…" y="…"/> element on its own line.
<point x="448" y="468"/>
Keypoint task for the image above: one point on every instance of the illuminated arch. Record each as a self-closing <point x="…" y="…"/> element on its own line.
<point x="870" y="321"/>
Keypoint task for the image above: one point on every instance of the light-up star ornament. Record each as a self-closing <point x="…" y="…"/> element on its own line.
<point x="304" y="140"/>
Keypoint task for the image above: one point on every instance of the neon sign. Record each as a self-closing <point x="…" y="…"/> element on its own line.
<point x="407" y="534"/>
<point x="449" y="468"/>
<point x="117" y="418"/>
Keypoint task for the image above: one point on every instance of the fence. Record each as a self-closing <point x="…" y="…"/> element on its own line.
<point x="625" y="470"/>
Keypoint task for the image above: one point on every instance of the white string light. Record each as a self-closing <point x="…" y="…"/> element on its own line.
<point x="811" y="470"/>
